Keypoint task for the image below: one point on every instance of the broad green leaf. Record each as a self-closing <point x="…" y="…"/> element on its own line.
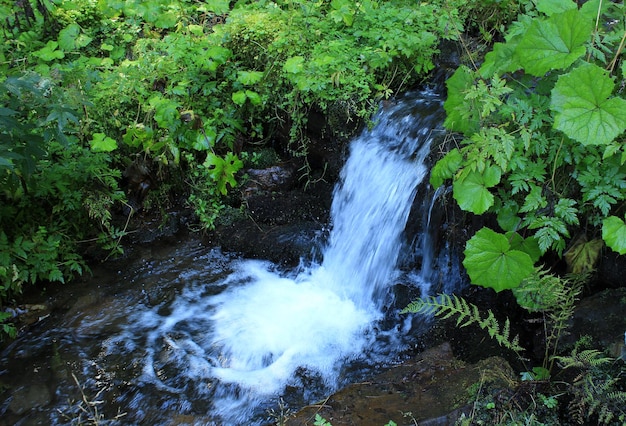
<point x="166" y="20"/>
<point x="214" y="57"/>
<point x="472" y="193"/>
<point x="102" y="143"/>
<point x="206" y="139"/>
<point x="294" y="65"/>
<point x="49" y="52"/>
<point x="550" y="7"/>
<point x="584" y="109"/>
<point x="239" y="97"/>
<point x="459" y="116"/>
<point x="529" y="245"/>
<point x="554" y="43"/>
<point x="218" y="7"/>
<point x="255" y="98"/>
<point x="490" y="261"/>
<point x="248" y="78"/>
<point x="71" y="38"/>
<point x="507" y="217"/>
<point x="614" y="234"/>
<point x="498" y="60"/>
<point x="446" y="167"/>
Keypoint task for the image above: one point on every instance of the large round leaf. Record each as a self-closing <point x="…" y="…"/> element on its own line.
<point x="490" y="261"/>
<point x="471" y="191"/>
<point x="585" y="110"/>
<point x="614" y="234"/>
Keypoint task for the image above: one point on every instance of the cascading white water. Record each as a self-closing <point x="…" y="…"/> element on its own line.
<point x="226" y="346"/>
<point x="272" y="325"/>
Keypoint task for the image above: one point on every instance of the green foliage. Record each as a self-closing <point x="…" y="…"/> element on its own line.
<point x="555" y="298"/>
<point x="596" y="393"/>
<point x="492" y="261"/>
<point x="467" y="313"/>
<point x="542" y="120"/>
<point x="320" y="421"/>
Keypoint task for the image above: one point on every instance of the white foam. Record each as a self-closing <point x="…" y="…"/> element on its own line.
<point x="274" y="325"/>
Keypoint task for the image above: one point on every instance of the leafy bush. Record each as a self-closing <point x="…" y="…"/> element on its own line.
<point x="542" y="148"/>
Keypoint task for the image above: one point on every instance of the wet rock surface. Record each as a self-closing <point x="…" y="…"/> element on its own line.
<point x="429" y="389"/>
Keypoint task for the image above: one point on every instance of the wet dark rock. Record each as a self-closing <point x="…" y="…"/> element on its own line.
<point x="276" y="178"/>
<point x="280" y="226"/>
<point x="430" y="389"/>
<point x="601" y="317"/>
<point x="26" y="399"/>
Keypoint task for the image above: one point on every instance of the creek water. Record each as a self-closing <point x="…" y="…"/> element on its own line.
<point x="196" y="336"/>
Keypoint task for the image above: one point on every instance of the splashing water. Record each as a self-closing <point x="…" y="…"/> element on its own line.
<point x="224" y="345"/>
<point x="271" y="326"/>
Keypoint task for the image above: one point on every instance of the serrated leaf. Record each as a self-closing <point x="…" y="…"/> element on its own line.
<point x="553" y="43"/>
<point x="102" y="143"/>
<point x="446" y="167"/>
<point x="472" y="193"/>
<point x="550" y="7"/>
<point x="614" y="234"/>
<point x="249" y="78"/>
<point x="239" y="97"/>
<point x="490" y="261"/>
<point x="294" y="65"/>
<point x="459" y="117"/>
<point x="584" y="109"/>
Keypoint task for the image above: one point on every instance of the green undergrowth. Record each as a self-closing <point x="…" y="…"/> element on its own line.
<point x="187" y="93"/>
<point x="539" y="142"/>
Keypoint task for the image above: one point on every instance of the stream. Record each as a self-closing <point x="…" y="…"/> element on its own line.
<point x="188" y="334"/>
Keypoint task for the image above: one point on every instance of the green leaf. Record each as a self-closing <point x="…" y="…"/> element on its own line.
<point x="166" y="19"/>
<point x="239" y="97"/>
<point x="471" y="192"/>
<point x="614" y="234"/>
<point x="490" y="261"/>
<point x="460" y="117"/>
<point x="584" y="109"/>
<point x="249" y="78"/>
<point x="102" y="143"/>
<point x="294" y="65"/>
<point x="554" y="43"/>
<point x="218" y="7"/>
<point x="529" y="245"/>
<point x="71" y="38"/>
<point x="507" y="217"/>
<point x="49" y="52"/>
<point x="446" y="167"/>
<point x="255" y="98"/>
<point x="550" y="7"/>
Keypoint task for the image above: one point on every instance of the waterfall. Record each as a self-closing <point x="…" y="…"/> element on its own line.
<point x="272" y="326"/>
<point x="233" y="337"/>
<point x="372" y="202"/>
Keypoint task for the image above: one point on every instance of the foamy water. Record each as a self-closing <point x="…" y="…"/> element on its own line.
<point x="227" y="347"/>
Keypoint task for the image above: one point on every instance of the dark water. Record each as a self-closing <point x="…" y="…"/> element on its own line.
<point x="189" y="335"/>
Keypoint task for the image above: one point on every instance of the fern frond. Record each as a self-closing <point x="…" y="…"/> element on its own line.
<point x="445" y="306"/>
<point x="589" y="358"/>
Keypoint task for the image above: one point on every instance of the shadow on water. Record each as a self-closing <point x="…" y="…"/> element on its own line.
<point x="198" y="336"/>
